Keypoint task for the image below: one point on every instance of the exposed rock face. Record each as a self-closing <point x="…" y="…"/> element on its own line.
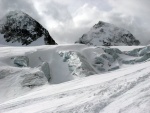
<point x="105" y="34"/>
<point x="19" y="27"/>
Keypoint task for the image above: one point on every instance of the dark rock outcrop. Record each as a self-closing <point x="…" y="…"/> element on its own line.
<point x="19" y="27"/>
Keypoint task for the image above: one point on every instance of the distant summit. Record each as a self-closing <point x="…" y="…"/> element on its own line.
<point x="18" y="28"/>
<point x="105" y="34"/>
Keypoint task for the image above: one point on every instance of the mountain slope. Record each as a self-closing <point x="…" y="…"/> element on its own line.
<point x="125" y="90"/>
<point x="18" y="27"/>
<point x="105" y="34"/>
<point x="32" y="67"/>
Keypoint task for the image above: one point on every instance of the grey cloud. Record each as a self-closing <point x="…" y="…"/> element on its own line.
<point x="133" y="24"/>
<point x="24" y="5"/>
<point x="137" y="17"/>
<point x="69" y="19"/>
<point x="69" y="35"/>
<point x="58" y="11"/>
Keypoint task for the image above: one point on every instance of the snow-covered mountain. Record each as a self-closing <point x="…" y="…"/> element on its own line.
<point x="112" y="76"/>
<point x="74" y="78"/>
<point x="18" y="28"/>
<point x="105" y="34"/>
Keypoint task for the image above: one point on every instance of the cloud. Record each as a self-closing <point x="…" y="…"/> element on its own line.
<point x="67" y="25"/>
<point x="82" y="20"/>
<point x="24" y="5"/>
<point x="53" y="9"/>
<point x="132" y="15"/>
<point x="67" y="20"/>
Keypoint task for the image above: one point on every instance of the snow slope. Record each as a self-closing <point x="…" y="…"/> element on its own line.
<point x="72" y="88"/>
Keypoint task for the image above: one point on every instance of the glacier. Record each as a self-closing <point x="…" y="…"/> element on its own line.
<point x="74" y="79"/>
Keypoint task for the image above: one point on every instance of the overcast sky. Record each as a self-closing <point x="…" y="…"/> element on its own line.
<point x="67" y="20"/>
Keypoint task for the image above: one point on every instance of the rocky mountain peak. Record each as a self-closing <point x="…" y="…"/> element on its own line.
<point x="105" y="34"/>
<point x="19" y="27"/>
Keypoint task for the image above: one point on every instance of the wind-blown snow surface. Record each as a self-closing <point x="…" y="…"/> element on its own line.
<point x="25" y="88"/>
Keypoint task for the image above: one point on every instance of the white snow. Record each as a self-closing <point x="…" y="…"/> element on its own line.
<point x="27" y="90"/>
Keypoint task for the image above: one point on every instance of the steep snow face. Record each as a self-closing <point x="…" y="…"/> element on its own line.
<point x="18" y="27"/>
<point x="105" y="34"/>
